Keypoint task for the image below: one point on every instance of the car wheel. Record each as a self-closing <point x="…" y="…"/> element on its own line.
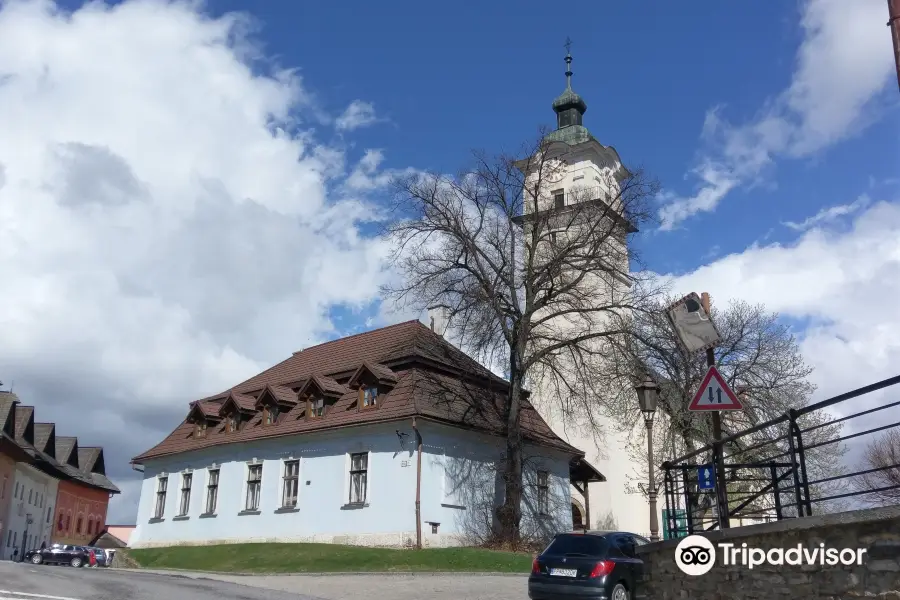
<point x="619" y="593"/>
<point x="76" y="562"/>
<point x="36" y="559"/>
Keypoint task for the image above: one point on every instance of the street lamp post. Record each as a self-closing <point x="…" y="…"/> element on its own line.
<point x="648" y="395"/>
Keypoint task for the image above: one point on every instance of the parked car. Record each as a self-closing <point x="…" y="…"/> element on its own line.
<point x="100" y="553"/>
<point x="598" y="565"/>
<point x="59" y="554"/>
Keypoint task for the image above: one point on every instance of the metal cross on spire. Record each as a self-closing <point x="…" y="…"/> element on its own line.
<point x="568" y="45"/>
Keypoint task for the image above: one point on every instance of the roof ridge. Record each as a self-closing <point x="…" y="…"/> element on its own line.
<point x="354" y="335"/>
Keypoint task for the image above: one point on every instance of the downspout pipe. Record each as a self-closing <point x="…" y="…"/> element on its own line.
<point x="418" y="485"/>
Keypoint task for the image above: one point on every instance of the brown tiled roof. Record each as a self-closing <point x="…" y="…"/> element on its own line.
<point x="244" y="402"/>
<point x="382" y="373"/>
<point x="207" y="408"/>
<point x="283" y="394"/>
<point x="42" y="434"/>
<point x="326" y="385"/>
<point x="429" y="374"/>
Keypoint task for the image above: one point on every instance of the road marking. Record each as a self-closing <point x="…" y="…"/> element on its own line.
<point x="19" y="595"/>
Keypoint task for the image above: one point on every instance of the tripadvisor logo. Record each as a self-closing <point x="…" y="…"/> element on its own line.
<point x="695" y="555"/>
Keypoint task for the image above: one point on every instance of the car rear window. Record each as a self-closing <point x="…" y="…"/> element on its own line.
<point x="577" y="544"/>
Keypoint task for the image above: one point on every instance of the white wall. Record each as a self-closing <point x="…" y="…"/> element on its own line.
<point x="388" y="519"/>
<point x="463" y="470"/>
<point x="34" y="493"/>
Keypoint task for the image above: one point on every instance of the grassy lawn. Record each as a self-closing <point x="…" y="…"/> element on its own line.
<point x="327" y="558"/>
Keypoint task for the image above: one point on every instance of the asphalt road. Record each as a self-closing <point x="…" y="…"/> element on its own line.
<point x="22" y="581"/>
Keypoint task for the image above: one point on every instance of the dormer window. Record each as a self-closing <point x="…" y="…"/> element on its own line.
<point x="201" y="429"/>
<point x="270" y="415"/>
<point x="232" y="423"/>
<point x="369" y="396"/>
<point x="317" y="407"/>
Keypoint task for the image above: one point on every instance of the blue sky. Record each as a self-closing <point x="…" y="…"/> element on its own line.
<point x="482" y="75"/>
<point x="163" y="244"/>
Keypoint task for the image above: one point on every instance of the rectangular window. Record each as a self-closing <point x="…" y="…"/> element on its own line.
<point x="559" y="199"/>
<point x="270" y="415"/>
<point x="233" y="422"/>
<point x="185" y="505"/>
<point x="161" y="485"/>
<point x="201" y="429"/>
<point x="212" y="491"/>
<point x="291" y="483"/>
<point x="49" y="513"/>
<point x="3" y="489"/>
<point x="317" y="407"/>
<point x="359" y="470"/>
<point x="370" y="395"/>
<point x="254" y="481"/>
<point x="16" y="492"/>
<point x="543" y="492"/>
<point x="29" y="495"/>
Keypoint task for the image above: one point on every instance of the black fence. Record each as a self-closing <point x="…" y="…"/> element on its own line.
<point x="794" y="466"/>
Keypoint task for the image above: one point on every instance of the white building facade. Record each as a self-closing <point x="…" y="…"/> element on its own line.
<point x="324" y="447"/>
<point x="578" y="168"/>
<point x="352" y="486"/>
<point x="30" y="513"/>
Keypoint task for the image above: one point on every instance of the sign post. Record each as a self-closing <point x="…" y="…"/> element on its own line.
<point x="721" y="495"/>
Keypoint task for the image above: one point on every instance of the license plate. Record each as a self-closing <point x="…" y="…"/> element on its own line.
<point x="564" y="572"/>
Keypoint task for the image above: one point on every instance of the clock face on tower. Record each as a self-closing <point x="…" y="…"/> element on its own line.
<point x="555" y="169"/>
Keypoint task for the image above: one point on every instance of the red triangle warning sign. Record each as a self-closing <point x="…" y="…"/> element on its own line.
<point x="714" y="394"/>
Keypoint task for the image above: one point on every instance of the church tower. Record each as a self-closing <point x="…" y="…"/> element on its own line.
<point x="576" y="167"/>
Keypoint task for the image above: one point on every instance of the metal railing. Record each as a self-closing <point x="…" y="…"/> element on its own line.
<point x="791" y="466"/>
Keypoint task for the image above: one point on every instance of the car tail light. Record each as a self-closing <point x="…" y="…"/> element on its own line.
<point x="602" y="568"/>
<point x="535" y="567"/>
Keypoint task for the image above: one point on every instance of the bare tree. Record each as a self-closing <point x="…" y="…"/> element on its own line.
<point x="881" y="485"/>
<point x="535" y="284"/>
<point x="760" y="359"/>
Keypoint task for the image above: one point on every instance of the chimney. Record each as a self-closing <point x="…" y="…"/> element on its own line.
<point x="438" y="319"/>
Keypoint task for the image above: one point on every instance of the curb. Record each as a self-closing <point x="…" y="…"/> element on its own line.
<point x="188" y="572"/>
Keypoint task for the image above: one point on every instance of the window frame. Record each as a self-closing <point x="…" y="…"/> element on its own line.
<point x="200" y="428"/>
<point x="162" y="487"/>
<point x="212" y="490"/>
<point x="291" y="478"/>
<point x="558" y="195"/>
<point x="233" y="422"/>
<point x="542" y="484"/>
<point x="184" y="505"/>
<point x="368" y="392"/>
<point x="360" y="474"/>
<point x="270" y="414"/>
<point x="254" y="487"/>
<point x="312" y="409"/>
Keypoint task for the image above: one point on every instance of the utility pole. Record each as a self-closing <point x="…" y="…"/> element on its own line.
<point x="894" y="24"/>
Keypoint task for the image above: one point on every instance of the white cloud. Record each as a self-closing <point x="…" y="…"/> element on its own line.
<point x="843" y="285"/>
<point x="829" y="214"/>
<point x="169" y="223"/>
<point x="358" y="114"/>
<point x="843" y="65"/>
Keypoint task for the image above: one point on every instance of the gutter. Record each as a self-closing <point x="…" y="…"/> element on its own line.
<point x="418" y="485"/>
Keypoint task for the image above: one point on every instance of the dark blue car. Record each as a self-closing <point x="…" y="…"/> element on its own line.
<point x="589" y="566"/>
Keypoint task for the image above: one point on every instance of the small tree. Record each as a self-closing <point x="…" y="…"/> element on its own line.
<point x="881" y="486"/>
<point x="536" y="285"/>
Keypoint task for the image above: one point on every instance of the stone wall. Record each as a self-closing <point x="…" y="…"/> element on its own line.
<point x="876" y="530"/>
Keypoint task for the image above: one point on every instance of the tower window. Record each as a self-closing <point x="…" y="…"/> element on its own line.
<point x="559" y="199"/>
<point x="569" y="117"/>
